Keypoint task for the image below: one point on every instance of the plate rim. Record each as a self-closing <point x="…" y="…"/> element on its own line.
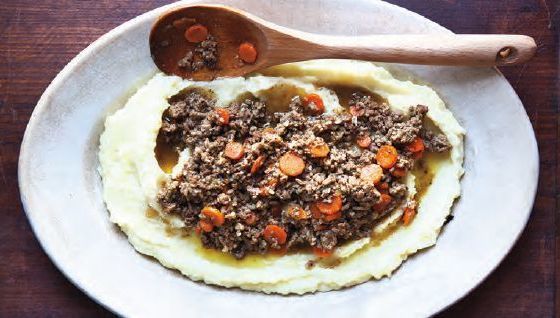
<point x="121" y="29"/>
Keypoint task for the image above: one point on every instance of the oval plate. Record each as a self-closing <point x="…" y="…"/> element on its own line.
<point x="61" y="189"/>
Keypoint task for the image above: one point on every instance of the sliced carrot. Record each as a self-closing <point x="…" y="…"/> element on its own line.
<point x="332" y="217"/>
<point x="386" y="156"/>
<point x="383" y="187"/>
<point x="214" y="215"/>
<point x="320" y="150"/>
<point x="223" y="116"/>
<point x="332" y="207"/>
<point x="314" y="103"/>
<point x="291" y="164"/>
<point x="356" y="111"/>
<point x="247" y="52"/>
<point x="257" y="164"/>
<point x="205" y="226"/>
<point x="417" y="145"/>
<point x="363" y="141"/>
<point x="319" y="252"/>
<point x="315" y="212"/>
<point x="296" y="212"/>
<point x="275" y="234"/>
<point x="196" y="33"/>
<point x="399" y="172"/>
<point x="234" y="150"/>
<point x="383" y="202"/>
<point x="250" y="219"/>
<point x="371" y="174"/>
<point x="408" y="215"/>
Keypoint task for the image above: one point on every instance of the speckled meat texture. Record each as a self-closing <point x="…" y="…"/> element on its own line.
<point x="205" y="54"/>
<point x="251" y="201"/>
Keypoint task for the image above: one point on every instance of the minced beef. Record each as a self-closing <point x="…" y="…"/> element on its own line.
<point x="251" y="200"/>
<point x="205" y="54"/>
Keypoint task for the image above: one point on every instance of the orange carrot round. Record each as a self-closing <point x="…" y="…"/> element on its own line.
<point x="314" y="103"/>
<point x="291" y="164"/>
<point x="383" y="202"/>
<point x="223" y="116"/>
<point x="257" y="164"/>
<point x="417" y="145"/>
<point x="274" y="233"/>
<point x="196" y="33"/>
<point x="383" y="187"/>
<point x="408" y="215"/>
<point x="319" y="150"/>
<point x="386" y="156"/>
<point x="371" y="173"/>
<point x="363" y="141"/>
<point x="315" y="212"/>
<point x="234" y="150"/>
<point x="332" y="207"/>
<point x="205" y="226"/>
<point x="247" y="52"/>
<point x="319" y="252"/>
<point x="214" y="215"/>
<point x="399" y="172"/>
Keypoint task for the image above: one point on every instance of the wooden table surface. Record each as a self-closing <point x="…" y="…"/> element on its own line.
<point x="37" y="38"/>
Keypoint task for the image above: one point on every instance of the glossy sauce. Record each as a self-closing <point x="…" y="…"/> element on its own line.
<point x="168" y="44"/>
<point x="151" y="213"/>
<point x="377" y="239"/>
<point x="166" y="155"/>
<point x="344" y="94"/>
<point x="279" y="96"/>
<point x="425" y="170"/>
<point x="215" y="256"/>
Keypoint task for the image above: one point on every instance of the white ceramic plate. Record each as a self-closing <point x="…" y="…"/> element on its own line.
<point x="61" y="189"/>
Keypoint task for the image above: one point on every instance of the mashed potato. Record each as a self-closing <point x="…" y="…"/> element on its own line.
<point x="132" y="177"/>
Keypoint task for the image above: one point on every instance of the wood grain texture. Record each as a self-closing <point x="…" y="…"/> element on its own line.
<point x="37" y="38"/>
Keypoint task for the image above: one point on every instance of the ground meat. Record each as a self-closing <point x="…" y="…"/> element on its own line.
<point x="435" y="142"/>
<point x="208" y="50"/>
<point x="205" y="54"/>
<point x="405" y="132"/>
<point x="251" y="201"/>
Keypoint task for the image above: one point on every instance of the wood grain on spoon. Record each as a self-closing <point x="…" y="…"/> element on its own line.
<point x="275" y="45"/>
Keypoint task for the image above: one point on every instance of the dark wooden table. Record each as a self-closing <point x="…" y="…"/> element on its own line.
<point x="37" y="38"/>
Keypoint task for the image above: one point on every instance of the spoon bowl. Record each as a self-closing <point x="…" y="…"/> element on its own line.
<point x="168" y="44"/>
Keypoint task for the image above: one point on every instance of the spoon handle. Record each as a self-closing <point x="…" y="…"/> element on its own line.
<point x="432" y="49"/>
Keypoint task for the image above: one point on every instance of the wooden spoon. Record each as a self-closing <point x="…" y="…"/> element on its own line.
<point x="277" y="45"/>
